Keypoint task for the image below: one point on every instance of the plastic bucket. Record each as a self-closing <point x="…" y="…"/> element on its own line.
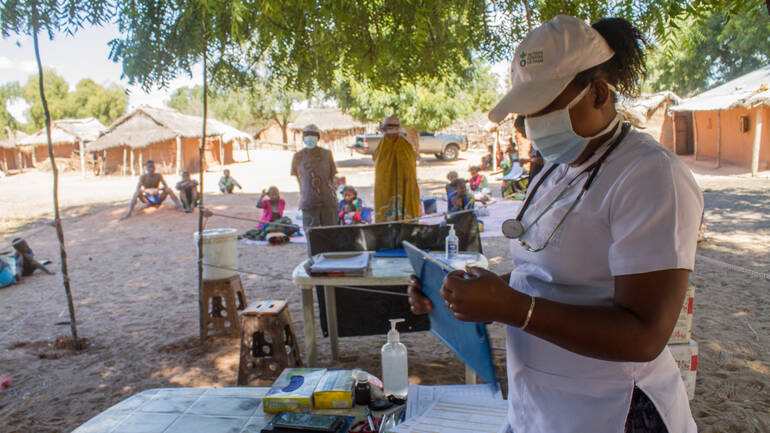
<point x="221" y="251"/>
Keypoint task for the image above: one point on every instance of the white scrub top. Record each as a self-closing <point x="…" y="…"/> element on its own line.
<point x="641" y="214"/>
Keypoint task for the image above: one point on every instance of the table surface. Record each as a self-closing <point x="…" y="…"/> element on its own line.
<point x="383" y="271"/>
<point x="191" y="410"/>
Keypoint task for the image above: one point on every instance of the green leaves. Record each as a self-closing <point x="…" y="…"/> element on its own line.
<point x="710" y="51"/>
<point x="89" y="99"/>
<point x="430" y="105"/>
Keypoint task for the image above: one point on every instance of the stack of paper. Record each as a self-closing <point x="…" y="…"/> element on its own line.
<point x="459" y="415"/>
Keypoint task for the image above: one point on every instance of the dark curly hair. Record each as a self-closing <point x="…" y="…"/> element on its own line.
<point x="626" y="70"/>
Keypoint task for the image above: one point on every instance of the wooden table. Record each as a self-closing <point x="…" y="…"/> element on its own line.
<point x="383" y="271"/>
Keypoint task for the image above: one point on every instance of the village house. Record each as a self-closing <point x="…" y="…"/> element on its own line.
<point x="729" y="122"/>
<point x="338" y="129"/>
<point x="166" y="136"/>
<point x="69" y="138"/>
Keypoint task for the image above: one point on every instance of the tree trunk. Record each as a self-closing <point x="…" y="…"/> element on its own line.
<point x="284" y="133"/>
<point x="56" y="219"/>
<point x="413" y="136"/>
<point x="200" y="201"/>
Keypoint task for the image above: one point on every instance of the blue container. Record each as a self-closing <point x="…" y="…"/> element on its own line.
<point x="429" y="206"/>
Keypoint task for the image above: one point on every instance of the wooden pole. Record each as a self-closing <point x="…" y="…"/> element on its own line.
<point x="82" y="158"/>
<point x="757" y="141"/>
<point x="56" y="216"/>
<point x="178" y="154"/>
<point x="141" y="161"/>
<point x="133" y="170"/>
<point x="719" y="138"/>
<point x="200" y="202"/>
<point x="125" y="160"/>
<point x="695" y="135"/>
<point x="221" y="151"/>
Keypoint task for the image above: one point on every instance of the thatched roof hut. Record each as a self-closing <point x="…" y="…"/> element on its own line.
<point x="68" y="137"/>
<point x="11" y="155"/>
<point x="338" y="129"/>
<point x="649" y="113"/>
<point x="166" y="136"/>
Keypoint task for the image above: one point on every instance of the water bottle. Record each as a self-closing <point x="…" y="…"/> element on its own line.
<point x="395" y="376"/>
<point x="452" y="244"/>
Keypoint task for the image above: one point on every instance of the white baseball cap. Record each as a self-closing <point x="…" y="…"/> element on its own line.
<point x="546" y="61"/>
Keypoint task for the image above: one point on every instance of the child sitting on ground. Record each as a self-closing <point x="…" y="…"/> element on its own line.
<point x="459" y="199"/>
<point x="451" y="176"/>
<point x="228" y="183"/>
<point x="188" y="192"/>
<point x="479" y="185"/>
<point x="348" y="215"/>
<point x="272" y="220"/>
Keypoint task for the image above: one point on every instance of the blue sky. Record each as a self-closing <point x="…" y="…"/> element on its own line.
<point x="84" y="55"/>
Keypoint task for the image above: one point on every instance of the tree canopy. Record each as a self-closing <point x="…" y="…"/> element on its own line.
<point x="89" y="99"/>
<point x="708" y="53"/>
<point x="431" y="106"/>
<point x="8" y="93"/>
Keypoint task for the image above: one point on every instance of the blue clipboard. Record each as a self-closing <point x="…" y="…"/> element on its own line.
<point x="468" y="340"/>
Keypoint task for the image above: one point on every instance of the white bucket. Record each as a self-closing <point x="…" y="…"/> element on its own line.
<point x="219" y="249"/>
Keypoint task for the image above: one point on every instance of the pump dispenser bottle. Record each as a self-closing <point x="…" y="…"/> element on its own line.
<point x="395" y="377"/>
<point x="452" y="244"/>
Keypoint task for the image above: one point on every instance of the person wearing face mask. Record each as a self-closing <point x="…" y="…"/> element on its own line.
<point x="396" y="194"/>
<point x="602" y="247"/>
<point x="315" y="169"/>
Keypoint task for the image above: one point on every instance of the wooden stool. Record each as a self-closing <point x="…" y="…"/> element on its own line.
<point x="222" y="314"/>
<point x="268" y="342"/>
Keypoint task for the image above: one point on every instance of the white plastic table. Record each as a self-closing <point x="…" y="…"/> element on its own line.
<point x="383" y="271"/>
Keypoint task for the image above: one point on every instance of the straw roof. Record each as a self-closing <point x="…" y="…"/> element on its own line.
<point x="646" y="105"/>
<point x="66" y="131"/>
<point x="327" y="119"/>
<point x="148" y="125"/>
<point x="746" y="91"/>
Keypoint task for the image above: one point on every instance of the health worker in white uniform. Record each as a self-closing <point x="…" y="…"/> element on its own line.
<point x="602" y="247"/>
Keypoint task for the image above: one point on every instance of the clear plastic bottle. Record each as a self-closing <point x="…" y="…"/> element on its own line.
<point x="452" y="244"/>
<point x="395" y="377"/>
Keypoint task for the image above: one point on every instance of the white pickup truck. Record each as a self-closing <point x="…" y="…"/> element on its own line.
<point x="443" y="146"/>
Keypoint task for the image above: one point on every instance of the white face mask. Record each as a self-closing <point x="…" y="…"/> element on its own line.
<point x="552" y="134"/>
<point x="310" y="141"/>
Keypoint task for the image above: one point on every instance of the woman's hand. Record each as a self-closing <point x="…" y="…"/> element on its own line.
<point x="419" y="303"/>
<point x="479" y="295"/>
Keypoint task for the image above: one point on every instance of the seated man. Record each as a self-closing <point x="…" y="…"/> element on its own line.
<point x="228" y="183"/>
<point x="152" y="190"/>
<point x="188" y="192"/>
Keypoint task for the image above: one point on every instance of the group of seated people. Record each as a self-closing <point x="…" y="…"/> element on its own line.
<point x="152" y="190"/>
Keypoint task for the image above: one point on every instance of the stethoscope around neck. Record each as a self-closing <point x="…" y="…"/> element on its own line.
<point x="514" y="229"/>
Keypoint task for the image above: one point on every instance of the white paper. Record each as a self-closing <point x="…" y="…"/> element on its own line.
<point x="459" y="415"/>
<point x="422" y="397"/>
<point x="340" y="263"/>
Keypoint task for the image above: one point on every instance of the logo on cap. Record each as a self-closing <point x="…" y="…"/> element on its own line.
<point x="523" y="61"/>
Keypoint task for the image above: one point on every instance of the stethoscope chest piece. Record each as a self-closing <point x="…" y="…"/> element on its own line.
<point x="513" y="228"/>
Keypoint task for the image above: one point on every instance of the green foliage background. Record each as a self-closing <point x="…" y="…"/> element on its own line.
<point x="710" y="52"/>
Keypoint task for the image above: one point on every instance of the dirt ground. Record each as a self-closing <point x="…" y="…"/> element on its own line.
<point x="134" y="285"/>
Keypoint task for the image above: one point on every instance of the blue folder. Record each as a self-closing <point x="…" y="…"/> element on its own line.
<point x="468" y="340"/>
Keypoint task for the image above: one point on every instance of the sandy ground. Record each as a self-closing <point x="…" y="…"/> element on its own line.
<point x="134" y="284"/>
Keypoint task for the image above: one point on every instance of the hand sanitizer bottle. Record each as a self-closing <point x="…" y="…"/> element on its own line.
<point x="395" y="377"/>
<point x="452" y="244"/>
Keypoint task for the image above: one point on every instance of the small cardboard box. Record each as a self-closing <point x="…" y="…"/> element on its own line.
<point x="335" y="391"/>
<point x="293" y="390"/>
<point x="686" y="357"/>
<point x="683" y="328"/>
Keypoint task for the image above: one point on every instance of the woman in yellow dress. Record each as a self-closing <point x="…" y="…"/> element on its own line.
<point x="396" y="194"/>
